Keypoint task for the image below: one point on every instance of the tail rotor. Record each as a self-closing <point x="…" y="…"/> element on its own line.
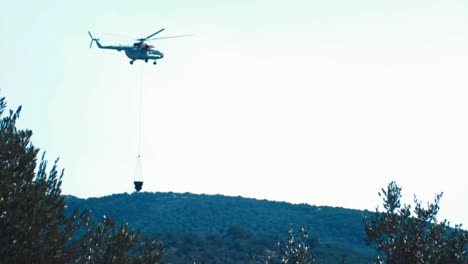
<point x="92" y="39"/>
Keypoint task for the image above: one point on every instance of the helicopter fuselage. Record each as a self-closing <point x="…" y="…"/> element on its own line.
<point x="140" y="54"/>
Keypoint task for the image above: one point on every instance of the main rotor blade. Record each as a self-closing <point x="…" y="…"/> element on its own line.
<point x="157" y="32"/>
<point x="179" y="36"/>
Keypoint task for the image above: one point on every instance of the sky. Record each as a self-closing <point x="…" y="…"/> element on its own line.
<point x="318" y="102"/>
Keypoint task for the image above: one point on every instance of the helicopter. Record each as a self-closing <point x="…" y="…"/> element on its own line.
<point x="140" y="50"/>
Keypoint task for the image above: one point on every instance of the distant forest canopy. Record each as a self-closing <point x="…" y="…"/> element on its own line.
<point x="214" y="214"/>
<point x="222" y="229"/>
<point x="207" y="227"/>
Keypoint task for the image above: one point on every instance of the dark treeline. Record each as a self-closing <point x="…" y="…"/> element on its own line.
<point x="214" y="227"/>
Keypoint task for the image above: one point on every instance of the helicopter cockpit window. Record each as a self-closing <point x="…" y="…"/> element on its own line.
<point x="155" y="52"/>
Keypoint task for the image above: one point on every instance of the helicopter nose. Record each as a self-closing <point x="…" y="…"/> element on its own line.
<point x="162" y="55"/>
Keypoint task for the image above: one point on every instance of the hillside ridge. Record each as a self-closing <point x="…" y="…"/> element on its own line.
<point x="193" y="213"/>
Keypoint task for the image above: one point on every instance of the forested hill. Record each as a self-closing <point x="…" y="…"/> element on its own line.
<point x="186" y="213"/>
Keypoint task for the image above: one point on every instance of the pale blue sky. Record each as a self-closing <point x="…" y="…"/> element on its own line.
<point x="321" y="102"/>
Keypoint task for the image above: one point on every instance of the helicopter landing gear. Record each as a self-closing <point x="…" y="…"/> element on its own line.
<point x="154" y="63"/>
<point x="131" y="62"/>
<point x="146" y="60"/>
